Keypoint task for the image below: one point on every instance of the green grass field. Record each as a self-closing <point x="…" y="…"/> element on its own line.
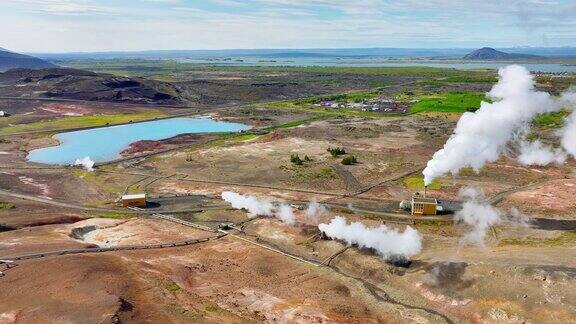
<point x="80" y="122"/>
<point x="415" y="183"/>
<point x="551" y="120"/>
<point x="453" y="102"/>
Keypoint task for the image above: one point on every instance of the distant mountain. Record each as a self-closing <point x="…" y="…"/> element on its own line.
<point x="451" y="53"/>
<point x="490" y="54"/>
<point x="10" y="60"/>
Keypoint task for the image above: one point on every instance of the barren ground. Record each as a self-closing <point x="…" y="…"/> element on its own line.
<point x="269" y="271"/>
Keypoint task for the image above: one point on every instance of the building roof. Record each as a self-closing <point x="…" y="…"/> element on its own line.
<point x="135" y="196"/>
<point x="425" y="200"/>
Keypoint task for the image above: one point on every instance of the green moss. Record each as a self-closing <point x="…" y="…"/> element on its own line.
<point x="471" y="79"/>
<point x="7" y="205"/>
<point x="172" y="287"/>
<point x="326" y="173"/>
<point x="418" y="183"/>
<point x="116" y="216"/>
<point x="212" y="307"/>
<point x="566" y="238"/>
<point x="551" y="120"/>
<point x="469" y="171"/>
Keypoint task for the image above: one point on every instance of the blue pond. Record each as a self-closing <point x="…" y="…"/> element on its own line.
<point x="105" y="144"/>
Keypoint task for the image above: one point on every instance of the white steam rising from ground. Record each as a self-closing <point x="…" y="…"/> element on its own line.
<point x="479" y="216"/>
<point x="569" y="133"/>
<point x="86" y="163"/>
<point x="314" y="212"/>
<point x="387" y="242"/>
<point x="482" y="136"/>
<point x="260" y="207"/>
<point x="535" y="153"/>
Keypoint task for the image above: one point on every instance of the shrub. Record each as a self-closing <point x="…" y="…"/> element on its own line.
<point x="336" y="151"/>
<point x="295" y="159"/>
<point x="349" y="160"/>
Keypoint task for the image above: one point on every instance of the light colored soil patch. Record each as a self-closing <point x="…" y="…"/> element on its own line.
<point x="111" y="232"/>
<point x="273" y="309"/>
<point x="66" y="109"/>
<point x="553" y="197"/>
<point x="171" y="187"/>
<point x="42" y="187"/>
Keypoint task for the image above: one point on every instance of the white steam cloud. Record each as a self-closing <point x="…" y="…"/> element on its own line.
<point x="314" y="211"/>
<point x="568" y="140"/>
<point x="535" y="153"/>
<point x="387" y="242"/>
<point x="479" y="216"/>
<point x="285" y="214"/>
<point x="481" y="137"/>
<point x="260" y="207"/>
<point x="86" y="163"/>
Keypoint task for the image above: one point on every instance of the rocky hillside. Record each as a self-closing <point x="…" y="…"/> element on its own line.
<point x="490" y="54"/>
<point x="10" y="60"/>
<point x="75" y="84"/>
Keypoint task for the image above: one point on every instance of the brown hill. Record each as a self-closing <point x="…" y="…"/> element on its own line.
<point x="63" y="83"/>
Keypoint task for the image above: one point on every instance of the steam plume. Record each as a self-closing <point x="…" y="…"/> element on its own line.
<point x="285" y="214"/>
<point x="314" y="211"/>
<point x="387" y="242"/>
<point x="254" y="206"/>
<point x="260" y="206"/>
<point x="478" y="214"/>
<point x="85" y="162"/>
<point x="568" y="140"/>
<point x="535" y="153"/>
<point x="480" y="137"/>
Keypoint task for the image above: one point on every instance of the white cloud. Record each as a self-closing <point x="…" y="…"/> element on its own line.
<point x="183" y="24"/>
<point x="64" y="7"/>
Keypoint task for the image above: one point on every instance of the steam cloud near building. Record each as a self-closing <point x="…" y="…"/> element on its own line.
<point x="479" y="216"/>
<point x="482" y="136"/>
<point x="386" y="241"/>
<point x="260" y="206"/>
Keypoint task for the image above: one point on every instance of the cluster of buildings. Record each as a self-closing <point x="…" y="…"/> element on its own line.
<point x="375" y="105"/>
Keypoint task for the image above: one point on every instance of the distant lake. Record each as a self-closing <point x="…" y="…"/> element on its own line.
<point x="105" y="144"/>
<point x="373" y="62"/>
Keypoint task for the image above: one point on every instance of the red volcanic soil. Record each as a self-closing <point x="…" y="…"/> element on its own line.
<point x="555" y="197"/>
<point x="147" y="146"/>
<point x="95" y="289"/>
<point x="142" y="146"/>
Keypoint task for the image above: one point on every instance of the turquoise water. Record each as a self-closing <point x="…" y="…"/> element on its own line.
<point x="105" y="144"/>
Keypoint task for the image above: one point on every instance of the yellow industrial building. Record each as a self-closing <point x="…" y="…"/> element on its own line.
<point x="137" y="200"/>
<point x="424" y="206"/>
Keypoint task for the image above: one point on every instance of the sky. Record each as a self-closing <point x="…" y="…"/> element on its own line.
<point x="130" y="25"/>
